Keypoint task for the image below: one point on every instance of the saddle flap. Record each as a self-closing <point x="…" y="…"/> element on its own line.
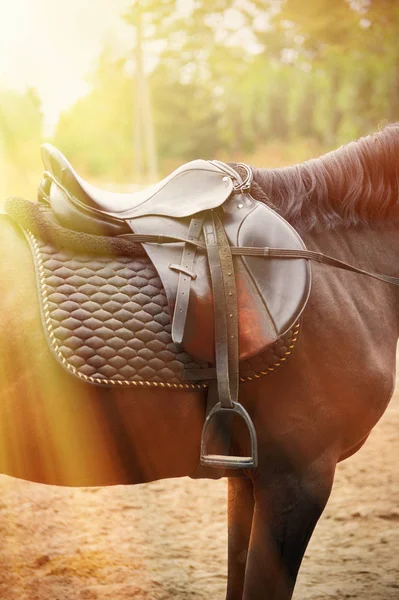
<point x="271" y="292"/>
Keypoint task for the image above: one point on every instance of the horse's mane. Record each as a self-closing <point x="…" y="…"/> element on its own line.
<point x="357" y="184"/>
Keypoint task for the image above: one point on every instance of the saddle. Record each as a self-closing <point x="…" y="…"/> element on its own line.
<point x="207" y="239"/>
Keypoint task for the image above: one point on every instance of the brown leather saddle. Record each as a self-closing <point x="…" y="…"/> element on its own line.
<point x="209" y="241"/>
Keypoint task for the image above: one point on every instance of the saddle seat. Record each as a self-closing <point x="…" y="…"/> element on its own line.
<point x="194" y="187"/>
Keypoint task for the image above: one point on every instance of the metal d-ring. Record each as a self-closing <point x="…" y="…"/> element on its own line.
<point x="245" y="186"/>
<point x="230" y="462"/>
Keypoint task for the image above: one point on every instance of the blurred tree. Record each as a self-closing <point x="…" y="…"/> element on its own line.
<point x="96" y="133"/>
<point x="20" y="138"/>
<point x="231" y="76"/>
<point x="185" y="118"/>
<point x="20" y="124"/>
<point x="145" y="153"/>
<point x="355" y="43"/>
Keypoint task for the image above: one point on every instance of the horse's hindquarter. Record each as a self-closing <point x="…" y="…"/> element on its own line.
<point x="340" y="377"/>
<point x="57" y="430"/>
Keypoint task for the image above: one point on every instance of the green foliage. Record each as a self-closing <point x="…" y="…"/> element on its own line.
<point x="185" y="119"/>
<point x="20" y="138"/>
<point x="232" y="76"/>
<point x="20" y="123"/>
<point x="96" y="132"/>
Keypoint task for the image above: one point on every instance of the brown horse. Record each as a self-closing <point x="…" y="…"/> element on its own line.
<point x="311" y="413"/>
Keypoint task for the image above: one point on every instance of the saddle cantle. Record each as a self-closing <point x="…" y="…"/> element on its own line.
<point x="207" y="239"/>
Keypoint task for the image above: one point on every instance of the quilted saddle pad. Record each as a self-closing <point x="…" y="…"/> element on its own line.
<point x="107" y="322"/>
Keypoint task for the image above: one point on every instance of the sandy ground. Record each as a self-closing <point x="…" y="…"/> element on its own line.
<point x="168" y="539"/>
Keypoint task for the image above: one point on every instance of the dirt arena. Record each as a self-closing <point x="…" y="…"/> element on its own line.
<point x="167" y="540"/>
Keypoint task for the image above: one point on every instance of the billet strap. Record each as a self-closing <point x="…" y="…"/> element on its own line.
<point x="186" y="275"/>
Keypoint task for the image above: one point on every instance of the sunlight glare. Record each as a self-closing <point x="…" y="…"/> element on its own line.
<point x="52" y="46"/>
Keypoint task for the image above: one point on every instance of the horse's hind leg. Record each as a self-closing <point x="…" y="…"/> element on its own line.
<point x="287" y="507"/>
<point x="240" y="512"/>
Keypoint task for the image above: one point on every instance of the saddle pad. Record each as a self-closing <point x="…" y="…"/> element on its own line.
<point x="108" y="323"/>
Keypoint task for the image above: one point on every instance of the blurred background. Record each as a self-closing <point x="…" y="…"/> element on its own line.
<point x="129" y="90"/>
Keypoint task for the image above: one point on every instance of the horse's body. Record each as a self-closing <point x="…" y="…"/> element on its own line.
<point x="315" y="410"/>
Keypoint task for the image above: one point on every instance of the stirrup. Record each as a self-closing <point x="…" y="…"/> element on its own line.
<point x="224" y="461"/>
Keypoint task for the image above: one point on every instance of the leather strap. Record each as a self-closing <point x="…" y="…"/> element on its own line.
<point x="148" y="238"/>
<point x="185" y="278"/>
<point x="230" y="305"/>
<point x="272" y="253"/>
<point x="225" y="309"/>
<point x="327" y="260"/>
<point x="225" y="389"/>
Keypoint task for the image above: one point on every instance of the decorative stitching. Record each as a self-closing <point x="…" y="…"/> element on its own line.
<point x="124" y="383"/>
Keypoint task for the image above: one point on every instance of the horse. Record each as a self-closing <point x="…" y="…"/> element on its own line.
<point x="314" y="411"/>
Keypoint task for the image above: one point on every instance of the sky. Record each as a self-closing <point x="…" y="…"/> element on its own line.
<point x="53" y="44"/>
